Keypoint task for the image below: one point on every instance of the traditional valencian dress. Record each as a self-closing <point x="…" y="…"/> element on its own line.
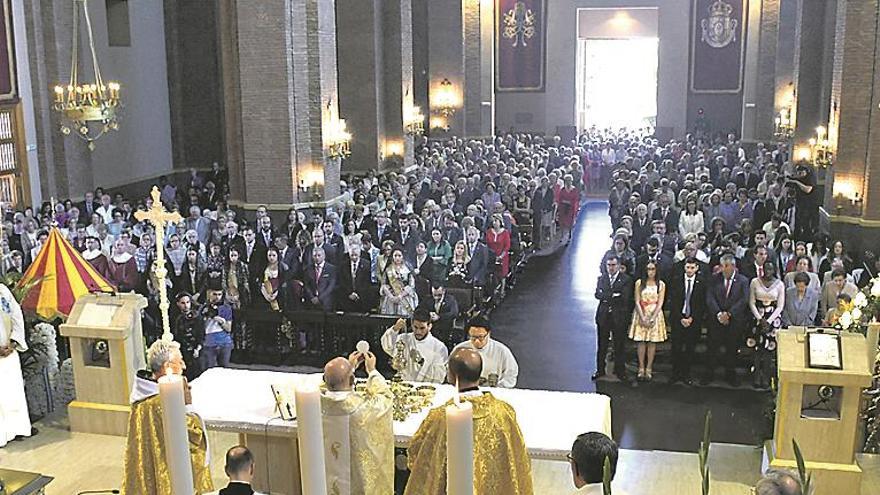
<point x="501" y="462"/>
<point x="650" y="298"/>
<point x="398" y="292"/>
<point x="146" y="471"/>
<point x="359" y="439"/>
<point x="14" y="420"/>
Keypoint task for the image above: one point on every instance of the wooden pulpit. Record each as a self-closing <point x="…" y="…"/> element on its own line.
<point x="107" y="350"/>
<point x="818" y="406"/>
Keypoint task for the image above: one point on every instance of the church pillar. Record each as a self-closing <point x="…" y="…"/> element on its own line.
<point x="398" y="82"/>
<point x="419" y="30"/>
<point x="288" y="96"/>
<point x="854" y="125"/>
<point x="375" y="81"/>
<point x="785" y="49"/>
<point x="759" y="80"/>
<point x="809" y="61"/>
<point x="460" y="68"/>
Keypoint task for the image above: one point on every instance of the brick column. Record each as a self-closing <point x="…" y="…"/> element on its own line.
<point x="397" y="59"/>
<point x="287" y="91"/>
<point x="758" y="111"/>
<point x="808" y="64"/>
<point x="785" y="49"/>
<point x="460" y="49"/>
<point x="854" y="127"/>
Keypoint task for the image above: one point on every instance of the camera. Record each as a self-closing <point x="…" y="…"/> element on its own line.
<point x="209" y="311"/>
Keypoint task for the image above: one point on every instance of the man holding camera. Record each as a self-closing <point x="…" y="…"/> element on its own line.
<point x="218" y="329"/>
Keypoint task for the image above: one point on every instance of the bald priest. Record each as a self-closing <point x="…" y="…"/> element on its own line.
<point x="146" y="470"/>
<point x="501" y="462"/>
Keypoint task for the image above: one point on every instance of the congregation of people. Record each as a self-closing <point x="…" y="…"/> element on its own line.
<point x="708" y="234"/>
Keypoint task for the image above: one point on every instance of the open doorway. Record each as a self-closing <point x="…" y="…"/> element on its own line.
<point x="616" y="68"/>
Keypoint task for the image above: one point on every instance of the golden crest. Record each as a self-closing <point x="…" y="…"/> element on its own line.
<point x="519" y="24"/>
<point x="719" y="30"/>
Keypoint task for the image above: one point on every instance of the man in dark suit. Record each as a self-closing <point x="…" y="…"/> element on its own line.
<point x="753" y="264"/>
<point x="240" y="469"/>
<point x="443" y="309"/>
<point x="653" y="253"/>
<point x="407" y="237"/>
<point x="727" y="298"/>
<point x="333" y="243"/>
<point x="614" y="290"/>
<point x="88" y="206"/>
<point x="382" y="230"/>
<point x="686" y="302"/>
<point x="266" y="234"/>
<point x="320" y="282"/>
<point x="666" y="213"/>
<point x="355" y="291"/>
<point x="478" y="266"/>
<point x="253" y="253"/>
<point x="667" y="240"/>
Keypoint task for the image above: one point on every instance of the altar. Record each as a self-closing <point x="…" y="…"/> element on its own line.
<point x="241" y="401"/>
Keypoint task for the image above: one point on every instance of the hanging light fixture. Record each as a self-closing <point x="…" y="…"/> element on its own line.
<point x="87" y="108"/>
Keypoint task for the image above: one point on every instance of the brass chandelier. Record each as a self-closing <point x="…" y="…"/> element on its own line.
<point x="86" y="109"/>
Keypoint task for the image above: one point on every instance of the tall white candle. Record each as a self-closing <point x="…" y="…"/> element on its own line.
<point x="176" y="437"/>
<point x="460" y="448"/>
<point x="310" y="437"/>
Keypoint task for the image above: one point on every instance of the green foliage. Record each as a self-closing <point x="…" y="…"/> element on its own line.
<point x="606" y="477"/>
<point x="806" y="478"/>
<point x="704" y="453"/>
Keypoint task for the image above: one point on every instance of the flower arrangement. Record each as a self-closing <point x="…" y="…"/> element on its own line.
<point x="862" y="309"/>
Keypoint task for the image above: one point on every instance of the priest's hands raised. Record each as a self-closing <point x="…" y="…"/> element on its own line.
<point x="368" y="358"/>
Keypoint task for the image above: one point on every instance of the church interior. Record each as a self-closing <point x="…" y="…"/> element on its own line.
<point x="491" y="247"/>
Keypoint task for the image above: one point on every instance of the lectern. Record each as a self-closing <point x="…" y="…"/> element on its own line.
<point x="107" y="349"/>
<point x="818" y="406"/>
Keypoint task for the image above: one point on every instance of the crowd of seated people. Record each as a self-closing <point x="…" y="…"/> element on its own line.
<point x="709" y="235"/>
<point x="453" y="227"/>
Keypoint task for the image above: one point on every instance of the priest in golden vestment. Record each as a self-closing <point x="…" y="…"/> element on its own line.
<point x="501" y="462"/>
<point x="358" y="435"/>
<point x="146" y="470"/>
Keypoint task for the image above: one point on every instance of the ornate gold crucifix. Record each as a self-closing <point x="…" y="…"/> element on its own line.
<point x="158" y="216"/>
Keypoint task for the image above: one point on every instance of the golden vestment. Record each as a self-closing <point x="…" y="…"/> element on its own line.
<point x="359" y="440"/>
<point x="146" y="470"/>
<point x="501" y="462"/>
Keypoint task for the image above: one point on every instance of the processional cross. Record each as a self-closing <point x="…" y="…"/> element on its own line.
<point x="158" y="216"/>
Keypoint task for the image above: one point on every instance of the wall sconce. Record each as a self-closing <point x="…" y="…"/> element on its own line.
<point x="337" y="139"/>
<point x="440" y="122"/>
<point x="784" y="126"/>
<point x="847" y="194"/>
<point x="445" y="98"/>
<point x="820" y="148"/>
<point x="311" y="182"/>
<point x="413" y="120"/>
<point x="394" y="148"/>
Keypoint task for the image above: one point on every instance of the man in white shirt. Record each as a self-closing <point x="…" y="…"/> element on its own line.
<point x="425" y="356"/>
<point x="499" y="366"/>
<point x="587" y="459"/>
<point x="106" y="209"/>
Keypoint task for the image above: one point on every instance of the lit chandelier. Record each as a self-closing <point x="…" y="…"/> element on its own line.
<point x="87" y="109"/>
<point x="413" y="120"/>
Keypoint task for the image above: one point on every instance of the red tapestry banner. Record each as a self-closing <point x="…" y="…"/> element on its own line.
<point x="520" y="28"/>
<point x="8" y="86"/>
<point x="718" y="45"/>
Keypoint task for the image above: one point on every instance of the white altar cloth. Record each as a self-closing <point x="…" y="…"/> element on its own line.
<point x="241" y="401"/>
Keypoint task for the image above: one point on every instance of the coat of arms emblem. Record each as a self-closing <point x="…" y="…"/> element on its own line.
<point x="718" y="28"/>
<point x="519" y="24"/>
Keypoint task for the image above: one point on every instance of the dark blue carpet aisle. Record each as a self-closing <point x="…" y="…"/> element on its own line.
<point x="548" y="321"/>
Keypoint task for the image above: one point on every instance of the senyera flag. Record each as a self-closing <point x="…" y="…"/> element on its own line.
<point x="61" y="275"/>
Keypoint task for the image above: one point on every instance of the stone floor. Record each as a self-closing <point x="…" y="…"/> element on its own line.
<point x="80" y="461"/>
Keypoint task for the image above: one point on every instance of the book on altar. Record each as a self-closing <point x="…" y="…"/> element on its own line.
<point x="285" y="400"/>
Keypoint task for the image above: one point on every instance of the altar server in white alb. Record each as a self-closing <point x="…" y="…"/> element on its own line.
<point x="424" y="356"/>
<point x="14" y="419"/>
<point x="499" y="365"/>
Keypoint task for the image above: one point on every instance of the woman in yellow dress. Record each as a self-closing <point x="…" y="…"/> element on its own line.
<point x="648" y="326"/>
